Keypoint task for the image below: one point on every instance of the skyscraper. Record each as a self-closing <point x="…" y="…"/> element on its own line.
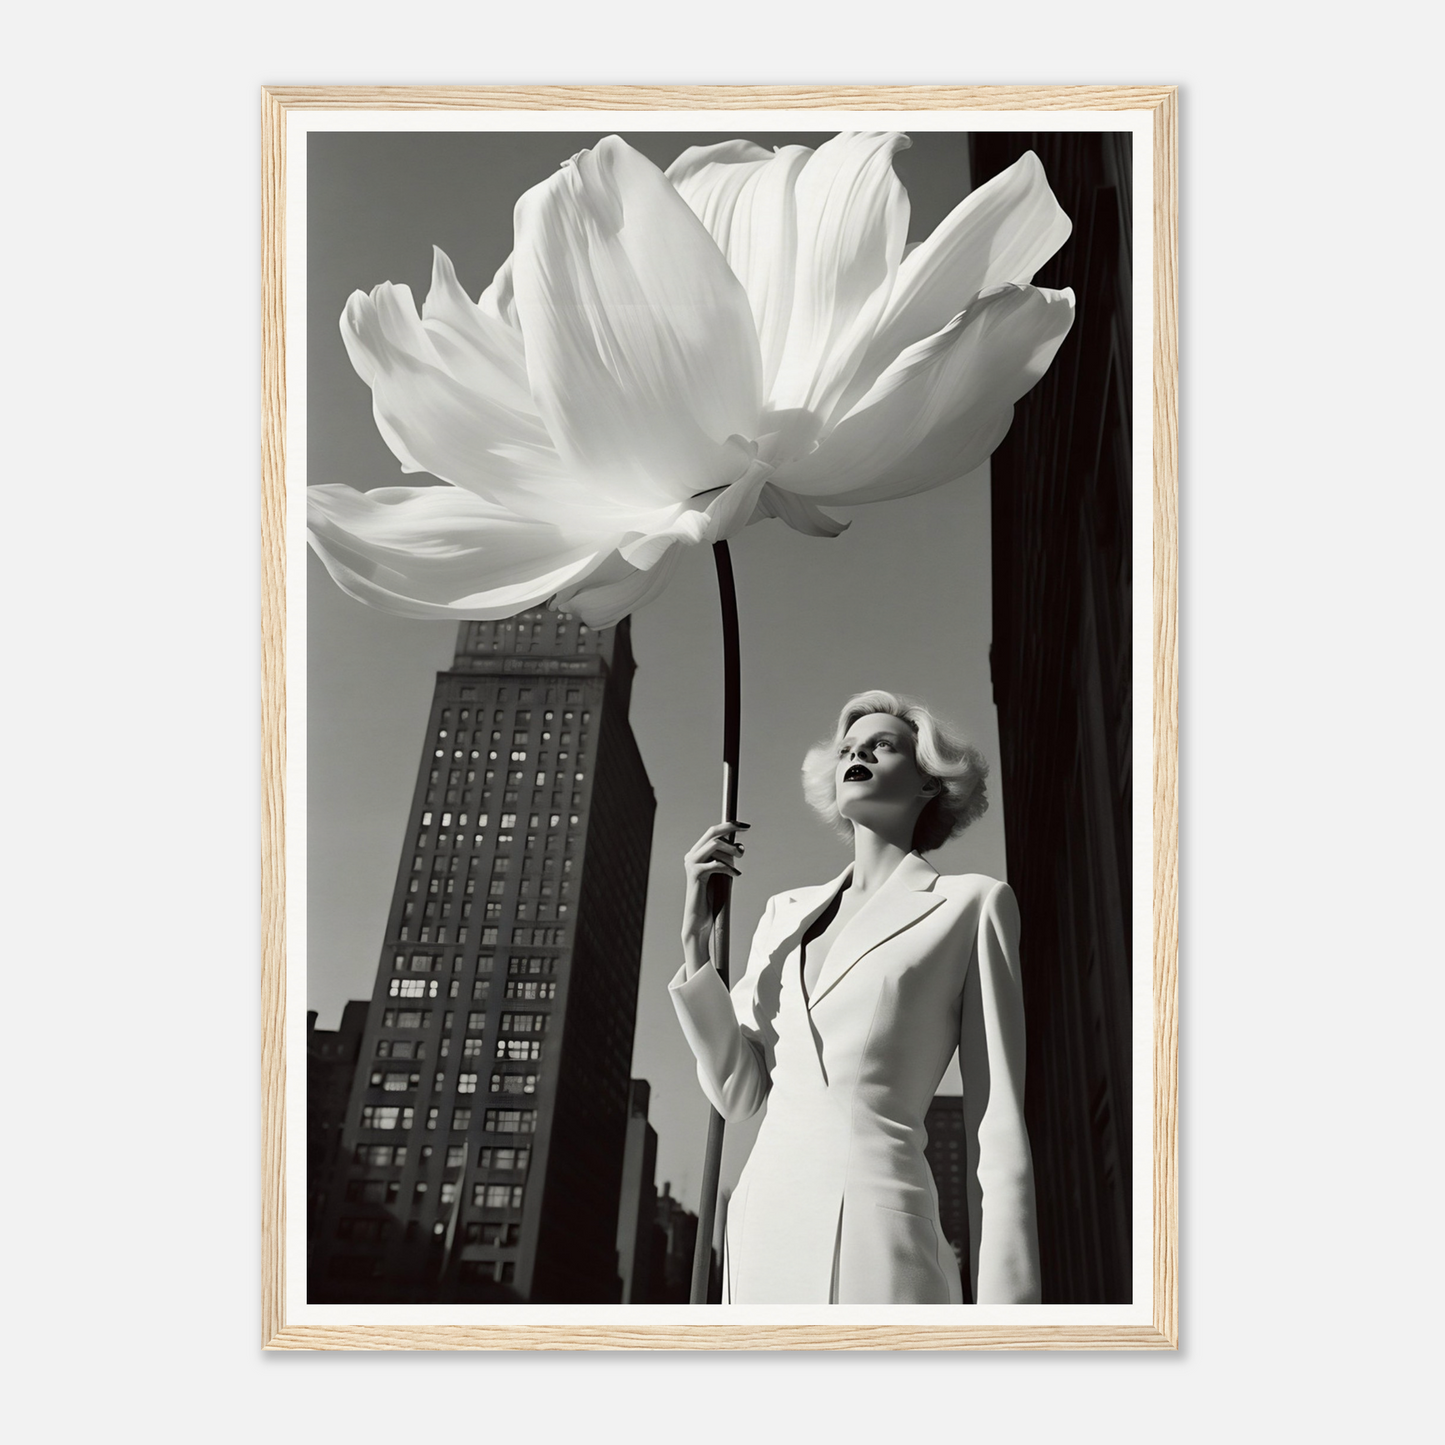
<point x="484" y="1138"/>
<point x="1061" y="657"/>
<point x="637" y="1211"/>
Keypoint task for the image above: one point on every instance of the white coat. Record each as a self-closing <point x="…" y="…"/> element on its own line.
<point x="836" y="1203"/>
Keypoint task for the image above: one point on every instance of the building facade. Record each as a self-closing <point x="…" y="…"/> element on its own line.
<point x="1061" y="661"/>
<point x="484" y="1139"/>
<point x="331" y="1056"/>
<point x="948" y="1159"/>
<point x="637" y="1208"/>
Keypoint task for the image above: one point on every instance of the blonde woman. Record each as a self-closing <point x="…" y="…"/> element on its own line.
<point x="855" y="995"/>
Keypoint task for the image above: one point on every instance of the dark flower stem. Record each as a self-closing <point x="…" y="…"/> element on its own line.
<point x="721" y="889"/>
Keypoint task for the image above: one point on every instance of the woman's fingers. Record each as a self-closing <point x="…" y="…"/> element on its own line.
<point x="717" y="867"/>
<point x="714" y="849"/>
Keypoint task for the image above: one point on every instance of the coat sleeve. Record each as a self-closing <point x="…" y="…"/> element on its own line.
<point x="733" y="1050"/>
<point x="1003" y="1228"/>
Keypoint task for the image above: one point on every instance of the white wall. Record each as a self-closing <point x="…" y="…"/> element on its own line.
<point x="1311" y="521"/>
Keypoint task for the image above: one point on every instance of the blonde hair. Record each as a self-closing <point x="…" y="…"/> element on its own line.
<point x="940" y="754"/>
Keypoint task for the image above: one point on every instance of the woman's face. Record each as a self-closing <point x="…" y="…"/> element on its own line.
<point x="876" y="777"/>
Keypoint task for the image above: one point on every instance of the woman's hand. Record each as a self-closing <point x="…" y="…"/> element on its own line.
<point x="712" y="856"/>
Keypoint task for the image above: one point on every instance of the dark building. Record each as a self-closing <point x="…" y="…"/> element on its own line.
<point x="484" y="1138"/>
<point x="1061" y="658"/>
<point x="637" y="1209"/>
<point x="947" y="1158"/>
<point x="677" y="1226"/>
<point x="331" y="1056"/>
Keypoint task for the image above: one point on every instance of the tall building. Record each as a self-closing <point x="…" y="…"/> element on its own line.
<point x="483" y="1146"/>
<point x="1061" y="657"/>
<point x="947" y="1157"/>
<point x="331" y="1056"/>
<point x="637" y="1208"/>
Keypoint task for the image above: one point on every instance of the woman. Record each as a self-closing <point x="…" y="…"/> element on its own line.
<point x="855" y="995"/>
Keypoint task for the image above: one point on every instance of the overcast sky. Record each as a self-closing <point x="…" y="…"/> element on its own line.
<point x="900" y="601"/>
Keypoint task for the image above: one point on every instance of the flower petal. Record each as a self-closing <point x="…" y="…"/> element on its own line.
<point x="607" y="595"/>
<point x="852" y="222"/>
<point x="704" y="519"/>
<point x="999" y="234"/>
<point x="641" y="350"/>
<point x="476" y="433"/>
<point x="943" y="406"/>
<point x="441" y="552"/>
<point x="498" y="300"/>
<point x="798" y="512"/>
<point x="744" y="195"/>
<point x="480" y="350"/>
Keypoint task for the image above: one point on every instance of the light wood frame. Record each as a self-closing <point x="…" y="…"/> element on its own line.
<point x="1163" y="1330"/>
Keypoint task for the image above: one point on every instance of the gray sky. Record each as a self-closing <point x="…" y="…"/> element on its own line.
<point x="900" y="601"/>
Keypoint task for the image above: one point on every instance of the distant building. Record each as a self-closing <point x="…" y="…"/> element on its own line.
<point x="1062" y="658"/>
<point x="948" y="1159"/>
<point x="677" y="1228"/>
<point x="637" y="1210"/>
<point x="331" y="1056"/>
<point x="483" y="1148"/>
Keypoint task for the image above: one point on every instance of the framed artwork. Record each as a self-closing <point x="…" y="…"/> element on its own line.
<point x="614" y="433"/>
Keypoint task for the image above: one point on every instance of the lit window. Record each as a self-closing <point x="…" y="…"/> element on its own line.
<point x="520" y="1051"/>
<point x="461" y="1119"/>
<point x="509" y="820"/>
<point x="426" y="820"/>
<point x="449" y="1193"/>
<point x="541" y="780"/>
<point x="481" y="987"/>
<point x="472" y="1049"/>
<point x="413" y="988"/>
<point x="477" y="1020"/>
<point x="511" y="1121"/>
<point x="385" y="1116"/>
<point x="497" y="1196"/>
<point x="531" y="988"/>
<point x="456" y="1155"/>
<point x="514" y="1083"/>
<point x="431" y="1118"/>
<point x="466" y="1083"/>
<point x="524" y="1023"/>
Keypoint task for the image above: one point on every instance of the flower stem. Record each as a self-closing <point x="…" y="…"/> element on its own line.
<point x="722" y="901"/>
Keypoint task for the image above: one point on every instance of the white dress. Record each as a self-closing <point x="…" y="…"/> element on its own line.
<point x="836" y="1203"/>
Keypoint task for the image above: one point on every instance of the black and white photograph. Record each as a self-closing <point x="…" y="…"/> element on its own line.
<point x="719" y="791"/>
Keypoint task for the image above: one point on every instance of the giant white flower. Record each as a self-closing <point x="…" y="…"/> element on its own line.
<point x="666" y="358"/>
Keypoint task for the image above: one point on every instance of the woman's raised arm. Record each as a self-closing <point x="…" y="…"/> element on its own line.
<point x="726" y="1037"/>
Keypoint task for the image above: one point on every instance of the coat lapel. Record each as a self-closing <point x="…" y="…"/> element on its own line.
<point x="900" y="903"/>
